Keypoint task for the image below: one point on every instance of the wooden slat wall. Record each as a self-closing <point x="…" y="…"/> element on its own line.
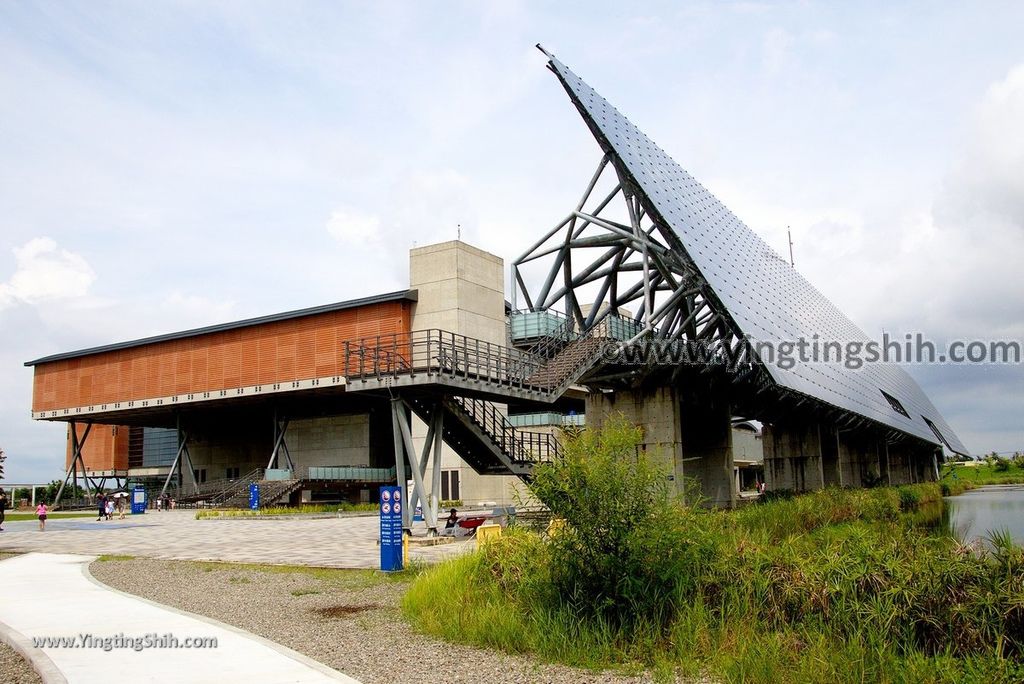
<point x="296" y="349"/>
<point x="106" y="447"/>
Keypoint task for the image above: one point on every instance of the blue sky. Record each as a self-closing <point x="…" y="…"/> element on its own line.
<point x="167" y="165"/>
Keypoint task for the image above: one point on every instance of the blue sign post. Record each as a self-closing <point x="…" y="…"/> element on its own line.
<point x="139" y="500"/>
<point x="254" y="496"/>
<point x="391" y="529"/>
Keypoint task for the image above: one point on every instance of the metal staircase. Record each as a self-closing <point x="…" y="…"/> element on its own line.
<point x="271" y="492"/>
<point x="485" y="439"/>
<point x="468" y="368"/>
<point x="215" y="492"/>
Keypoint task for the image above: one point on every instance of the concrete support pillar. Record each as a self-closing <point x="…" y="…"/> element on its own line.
<point x="690" y="435"/>
<point x="793" y="457"/>
<point x="900" y="463"/>
<point x="707" y="446"/>
<point x="859" y="457"/>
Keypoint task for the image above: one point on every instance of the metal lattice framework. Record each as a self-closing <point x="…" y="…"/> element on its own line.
<point x="598" y="265"/>
<point x="647" y="237"/>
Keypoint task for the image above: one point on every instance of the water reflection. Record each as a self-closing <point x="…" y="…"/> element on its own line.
<point x="975" y="514"/>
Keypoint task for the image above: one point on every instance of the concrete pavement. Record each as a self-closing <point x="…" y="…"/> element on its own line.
<point x="97" y="634"/>
<point x="347" y="542"/>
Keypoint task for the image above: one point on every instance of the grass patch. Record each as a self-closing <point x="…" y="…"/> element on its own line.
<point x="983" y="474"/>
<point x="834" y="586"/>
<point x="852" y="592"/>
<point x="345" y="578"/>
<point x="305" y="592"/>
<point x="278" y="511"/>
<point x="345" y="611"/>
<point x="111" y="557"/>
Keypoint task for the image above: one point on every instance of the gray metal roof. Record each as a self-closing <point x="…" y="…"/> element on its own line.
<point x="407" y="295"/>
<point x="766" y="298"/>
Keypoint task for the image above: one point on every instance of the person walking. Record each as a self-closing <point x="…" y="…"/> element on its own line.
<point x="3" y="509"/>
<point x="41" y="512"/>
<point x="101" y="506"/>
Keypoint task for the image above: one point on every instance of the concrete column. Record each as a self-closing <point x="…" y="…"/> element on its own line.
<point x="707" y="445"/>
<point x="900" y="459"/>
<point x="657" y="412"/>
<point x="793" y="457"/>
<point x="461" y="289"/>
<point x="859" y="457"/>
<point x="689" y="435"/>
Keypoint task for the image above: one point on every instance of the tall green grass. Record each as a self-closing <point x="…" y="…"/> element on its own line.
<point x="835" y="586"/>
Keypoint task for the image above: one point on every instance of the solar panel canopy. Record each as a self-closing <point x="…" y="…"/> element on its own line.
<point x="766" y="298"/>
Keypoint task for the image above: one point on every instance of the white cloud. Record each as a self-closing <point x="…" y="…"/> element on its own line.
<point x="353" y="228"/>
<point x="776" y="46"/>
<point x="196" y="310"/>
<point x="44" y="272"/>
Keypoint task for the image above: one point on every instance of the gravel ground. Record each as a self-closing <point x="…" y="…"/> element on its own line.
<point x="349" y="620"/>
<point x="14" y="669"/>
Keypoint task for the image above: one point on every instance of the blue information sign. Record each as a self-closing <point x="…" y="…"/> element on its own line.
<point x="390" y="529"/>
<point x="254" y="496"/>
<point x="139" y="500"/>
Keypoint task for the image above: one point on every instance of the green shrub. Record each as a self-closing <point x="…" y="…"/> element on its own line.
<point x="910" y="498"/>
<point x="629" y="549"/>
<point x="1001" y="464"/>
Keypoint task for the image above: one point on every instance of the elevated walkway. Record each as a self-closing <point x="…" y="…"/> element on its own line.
<point x="462" y="377"/>
<point x="467" y="366"/>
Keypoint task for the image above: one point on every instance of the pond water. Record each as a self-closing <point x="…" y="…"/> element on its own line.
<point x="974" y="514"/>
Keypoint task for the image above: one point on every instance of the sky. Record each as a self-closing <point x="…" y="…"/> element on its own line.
<point x="167" y="165"/>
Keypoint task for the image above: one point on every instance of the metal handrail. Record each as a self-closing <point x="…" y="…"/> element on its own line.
<point x="438" y="352"/>
<point x="519" y="445"/>
<point x="217" y="490"/>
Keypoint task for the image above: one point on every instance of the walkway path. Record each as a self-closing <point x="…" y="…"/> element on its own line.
<point x="53" y="595"/>
<point x="348" y="542"/>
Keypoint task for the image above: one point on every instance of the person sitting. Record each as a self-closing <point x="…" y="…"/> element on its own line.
<point x="452" y="520"/>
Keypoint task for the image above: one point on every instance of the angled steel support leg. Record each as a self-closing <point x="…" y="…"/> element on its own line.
<point x="435" y="494"/>
<point x="176" y="465"/>
<point x="280" y="429"/>
<point x="397" y="417"/>
<point x="76" y="457"/>
<point x="419" y="493"/>
<point x="417" y="473"/>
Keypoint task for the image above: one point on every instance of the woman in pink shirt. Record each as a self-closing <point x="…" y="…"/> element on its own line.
<point x="41" y="512"/>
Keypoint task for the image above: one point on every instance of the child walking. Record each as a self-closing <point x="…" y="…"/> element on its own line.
<point x="41" y="512"/>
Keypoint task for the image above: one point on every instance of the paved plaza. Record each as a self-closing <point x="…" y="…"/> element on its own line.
<point x="345" y="542"/>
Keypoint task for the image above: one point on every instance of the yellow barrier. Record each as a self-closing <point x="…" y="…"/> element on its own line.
<point x="485" y="533"/>
<point x="405" y="550"/>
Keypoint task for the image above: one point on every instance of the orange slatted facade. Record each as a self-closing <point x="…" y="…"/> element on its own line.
<point x="299" y="348"/>
<point x="106" y="448"/>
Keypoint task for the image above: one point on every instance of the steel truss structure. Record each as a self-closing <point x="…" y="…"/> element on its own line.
<point x="597" y="265"/>
<point x="688" y="270"/>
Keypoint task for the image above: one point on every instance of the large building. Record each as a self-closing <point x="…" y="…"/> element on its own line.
<point x="650" y="300"/>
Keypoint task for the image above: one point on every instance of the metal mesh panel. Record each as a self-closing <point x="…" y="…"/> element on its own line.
<point x="766" y="298"/>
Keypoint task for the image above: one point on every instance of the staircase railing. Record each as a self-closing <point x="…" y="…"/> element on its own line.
<point x="518" y="445"/>
<point x="216" y="491"/>
<point x="438" y="352"/>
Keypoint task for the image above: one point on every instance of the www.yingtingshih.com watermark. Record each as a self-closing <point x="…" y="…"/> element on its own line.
<point x="122" y="641"/>
<point x="912" y="348"/>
